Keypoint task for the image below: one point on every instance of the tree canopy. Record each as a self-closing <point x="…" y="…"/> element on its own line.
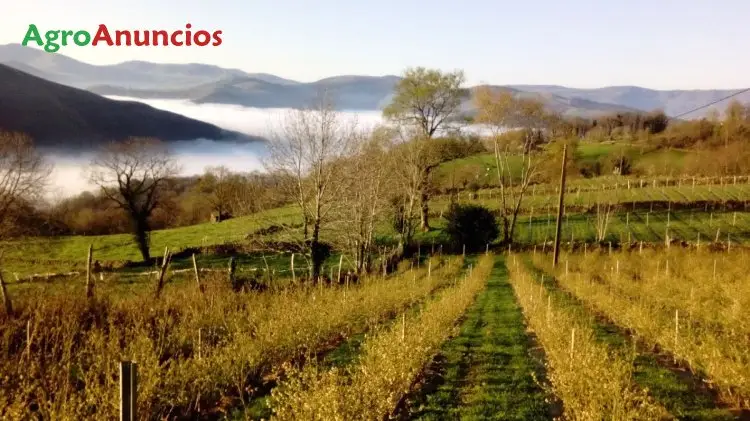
<point x="426" y="98"/>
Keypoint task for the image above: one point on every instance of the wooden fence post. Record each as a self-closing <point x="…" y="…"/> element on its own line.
<point x="128" y="391"/>
<point x="163" y="271"/>
<point x="199" y="343"/>
<point x="572" y="345"/>
<point x="28" y="339"/>
<point x="268" y="271"/>
<point x="291" y="264"/>
<point x="341" y="262"/>
<point x="232" y="268"/>
<point x="89" y="280"/>
<point x="6" y="298"/>
<point x="676" y="332"/>
<point x="197" y="274"/>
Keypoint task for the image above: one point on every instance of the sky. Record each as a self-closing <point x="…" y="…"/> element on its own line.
<point x="660" y="44"/>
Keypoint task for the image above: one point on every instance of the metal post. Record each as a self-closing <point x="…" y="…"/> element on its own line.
<point x="89" y="281"/>
<point x="128" y="390"/>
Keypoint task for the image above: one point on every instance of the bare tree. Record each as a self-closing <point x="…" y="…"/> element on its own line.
<point x="500" y="110"/>
<point x="221" y="187"/>
<point x="23" y="175"/>
<point x="365" y="197"/>
<point x="132" y="173"/>
<point x="603" y="212"/>
<point x="306" y="153"/>
<point x="426" y="99"/>
<point x="410" y="164"/>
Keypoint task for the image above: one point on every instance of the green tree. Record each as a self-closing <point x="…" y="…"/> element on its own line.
<point x="426" y="99"/>
<point x="472" y="226"/>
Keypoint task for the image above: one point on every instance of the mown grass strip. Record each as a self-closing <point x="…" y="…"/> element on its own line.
<point x="389" y="364"/>
<point x="487" y="371"/>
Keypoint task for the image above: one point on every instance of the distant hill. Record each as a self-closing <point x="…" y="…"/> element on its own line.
<point x="347" y="92"/>
<point x="203" y="83"/>
<point x="672" y="102"/>
<point x="63" y="117"/>
<point x="569" y="107"/>
<point x="131" y="74"/>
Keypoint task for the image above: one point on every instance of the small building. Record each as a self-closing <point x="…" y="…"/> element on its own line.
<point x="218" y="217"/>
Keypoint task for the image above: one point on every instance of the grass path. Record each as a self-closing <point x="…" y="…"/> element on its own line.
<point x="486" y="371"/>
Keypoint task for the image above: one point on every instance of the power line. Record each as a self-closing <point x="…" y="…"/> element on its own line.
<point x="711" y="103"/>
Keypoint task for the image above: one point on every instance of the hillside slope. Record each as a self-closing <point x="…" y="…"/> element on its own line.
<point x="132" y="74"/>
<point x="68" y="118"/>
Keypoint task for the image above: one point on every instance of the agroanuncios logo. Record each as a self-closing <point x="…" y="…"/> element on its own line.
<point x="53" y="40"/>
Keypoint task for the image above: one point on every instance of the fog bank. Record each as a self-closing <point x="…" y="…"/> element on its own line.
<point x="193" y="156"/>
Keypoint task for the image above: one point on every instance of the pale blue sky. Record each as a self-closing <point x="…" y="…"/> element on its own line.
<point x="653" y="43"/>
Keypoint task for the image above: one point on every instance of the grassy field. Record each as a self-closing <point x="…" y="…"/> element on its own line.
<point x="592" y="192"/>
<point x="482" y="169"/>
<point x="122" y="247"/>
<point x="635" y="222"/>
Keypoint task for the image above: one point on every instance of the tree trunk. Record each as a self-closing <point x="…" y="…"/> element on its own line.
<point x="317" y="256"/>
<point x="424" y="199"/>
<point x="425" y="223"/>
<point x="141" y="238"/>
<point x="506" y="230"/>
<point x="514" y="216"/>
<point x="512" y="228"/>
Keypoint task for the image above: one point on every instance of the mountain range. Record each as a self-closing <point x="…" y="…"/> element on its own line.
<point x="66" y="118"/>
<point x="202" y="83"/>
